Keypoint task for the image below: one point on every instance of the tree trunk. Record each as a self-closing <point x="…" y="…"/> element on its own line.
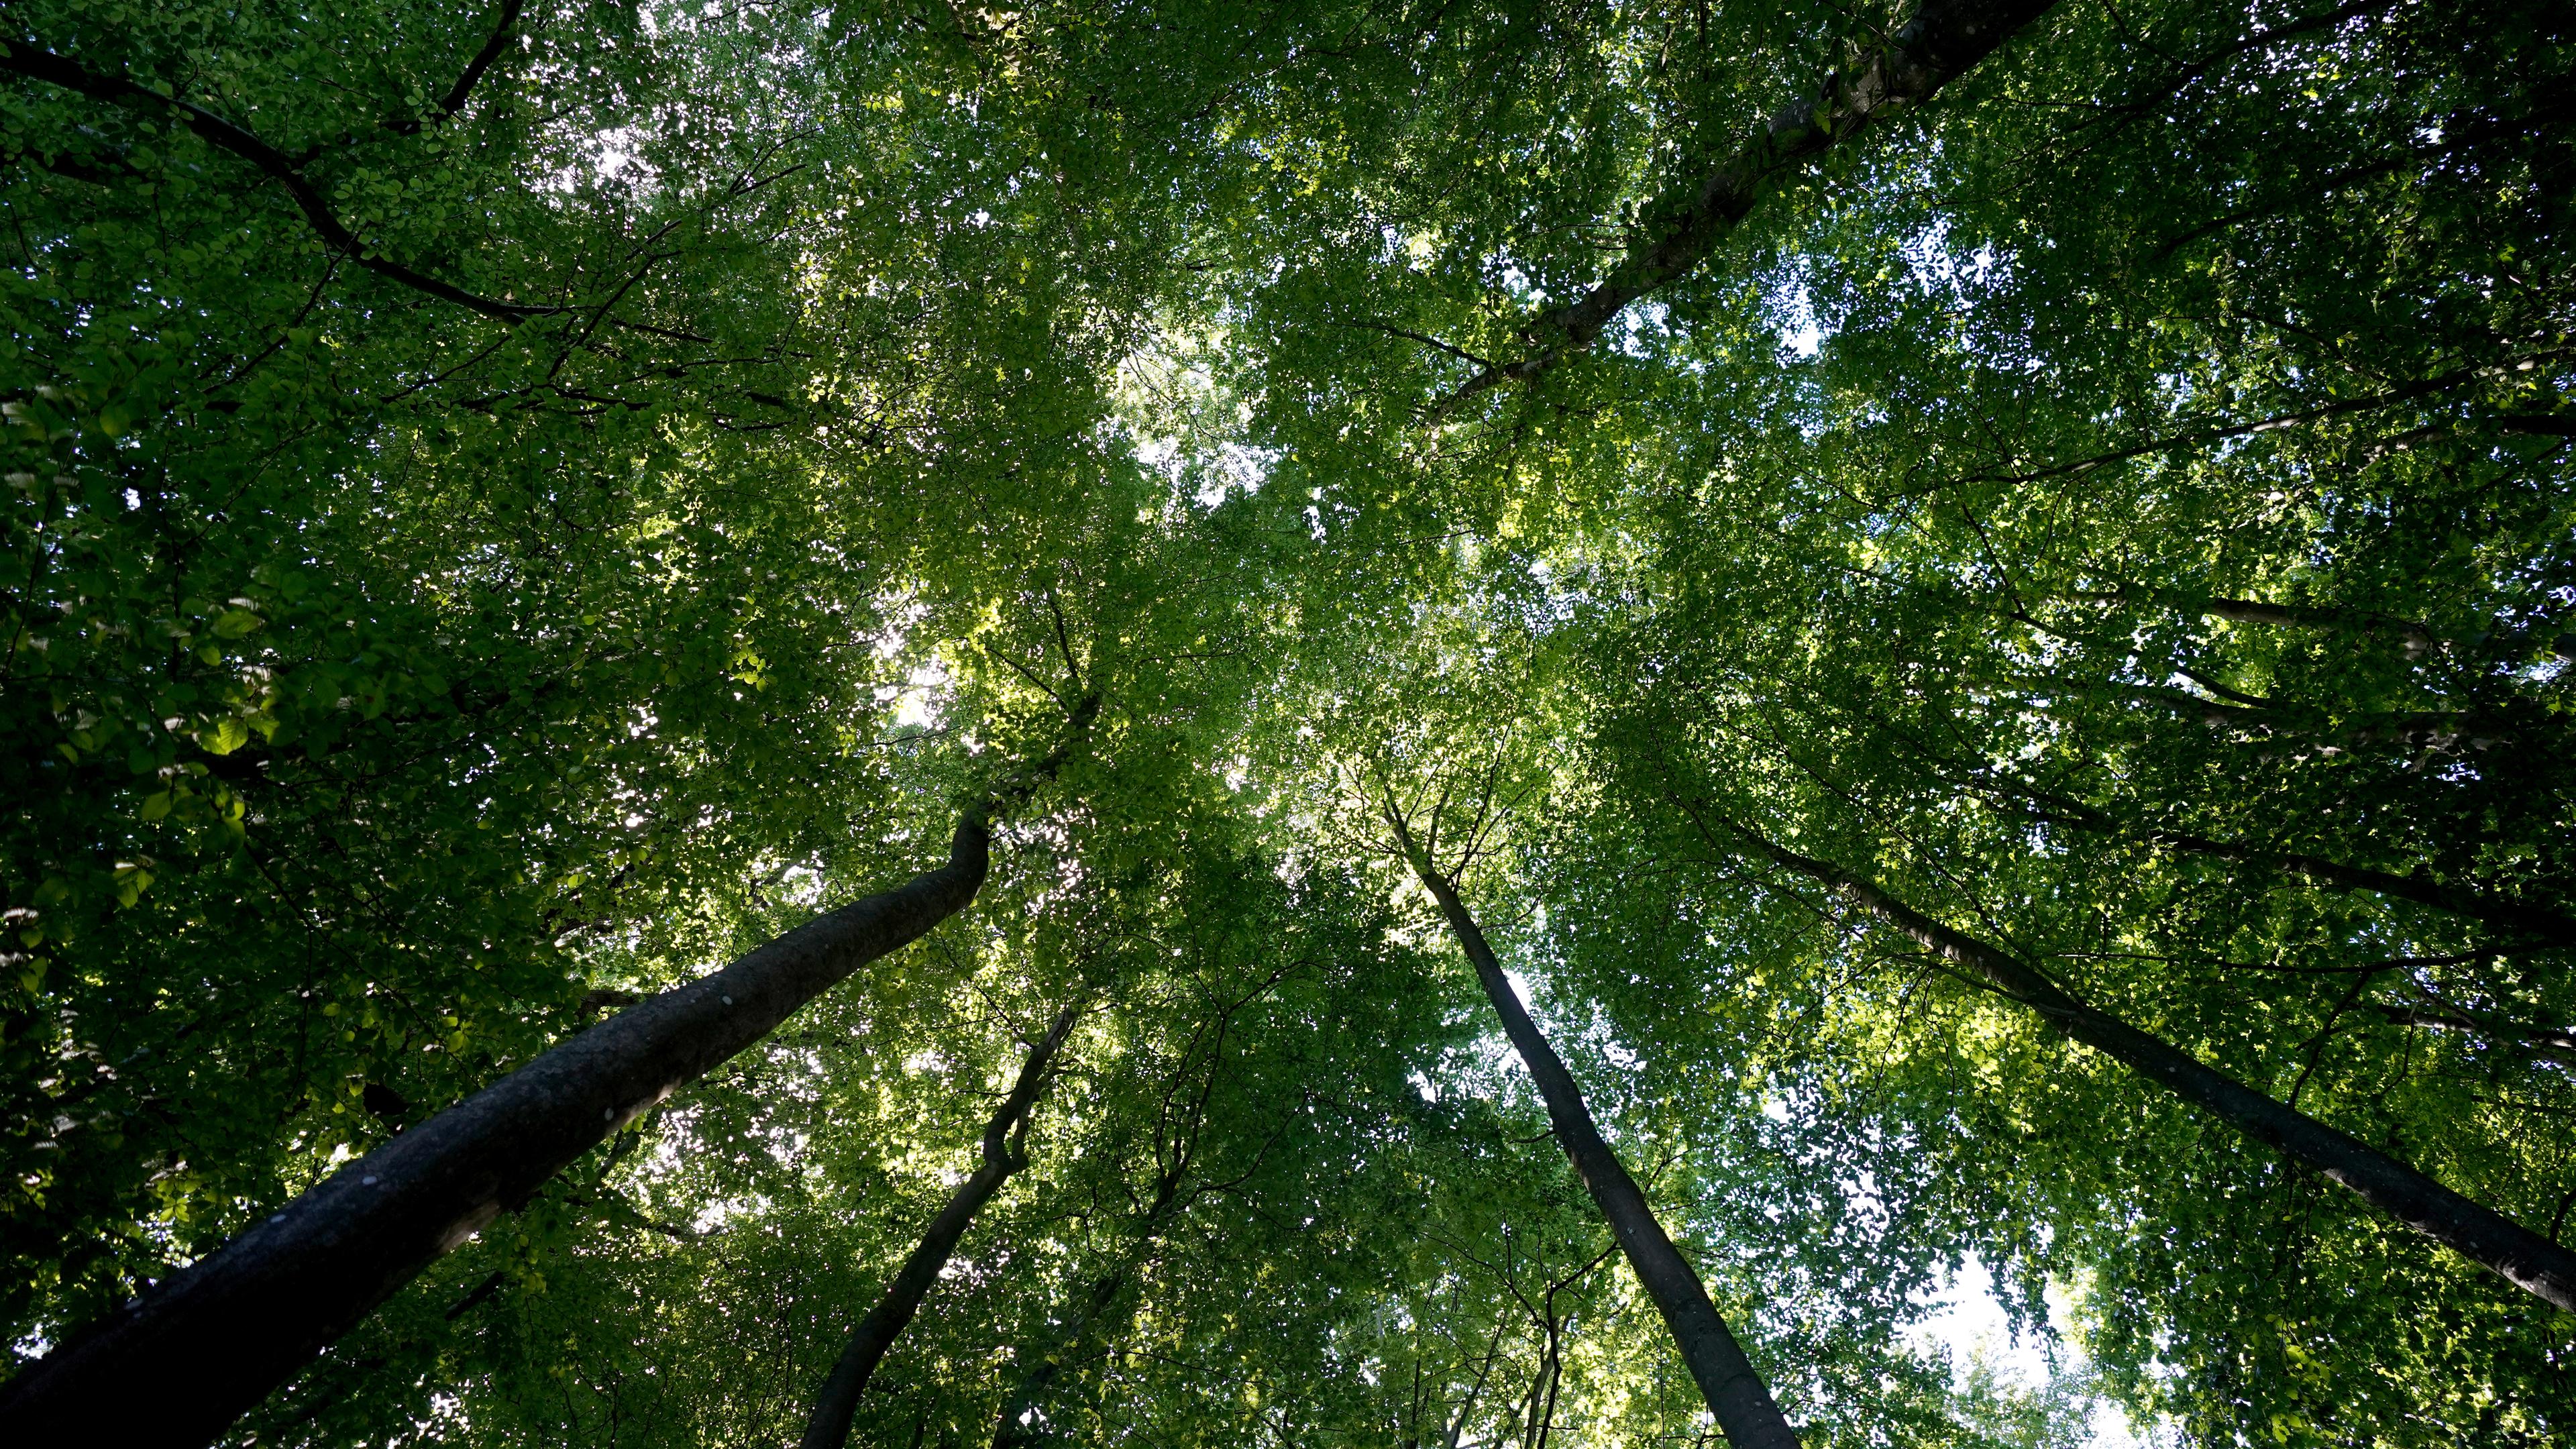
<point x="1678" y="230"/>
<point x="2557" y="1040"/>
<point x="829" y="1426"/>
<point x="2414" y="640"/>
<point x="2444" y="730"/>
<point x="2475" y="1232"/>
<point x="1009" y="1426"/>
<point x="179" y="1364"/>
<point x="2537" y="924"/>
<point x="1467" y="1406"/>
<point x="1727" y="1380"/>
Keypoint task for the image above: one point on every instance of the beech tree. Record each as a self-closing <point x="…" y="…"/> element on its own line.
<point x="1736" y="1395"/>
<point x="2002" y="568"/>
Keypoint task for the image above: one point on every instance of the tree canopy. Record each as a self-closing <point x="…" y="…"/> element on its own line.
<point x="1970" y="602"/>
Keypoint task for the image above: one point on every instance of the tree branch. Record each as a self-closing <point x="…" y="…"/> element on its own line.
<point x="454" y="100"/>
<point x="1684" y="225"/>
<point x="73" y="76"/>
<point x="2275" y="423"/>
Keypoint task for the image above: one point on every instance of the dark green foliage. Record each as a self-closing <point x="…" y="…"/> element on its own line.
<point x="2123" y="507"/>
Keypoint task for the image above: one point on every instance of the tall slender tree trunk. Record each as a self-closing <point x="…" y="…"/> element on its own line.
<point x="1677" y="230"/>
<point x="829" y="1425"/>
<point x="1735" y="1393"/>
<point x="176" y="1366"/>
<point x="2475" y="1232"/>
<point x="1176" y="1159"/>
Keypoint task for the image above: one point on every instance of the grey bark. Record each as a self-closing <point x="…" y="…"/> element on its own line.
<point x="2556" y="1040"/>
<point x="2536" y="923"/>
<point x="1176" y="1159"/>
<point x="1467" y="1406"/>
<point x="1735" y="1392"/>
<point x="2415" y="641"/>
<point x="219" y="1336"/>
<point x="1679" y="229"/>
<point x="828" y="1427"/>
<point x="216" y="1338"/>
<point x="2477" y="1233"/>
<point x="180" y="1363"/>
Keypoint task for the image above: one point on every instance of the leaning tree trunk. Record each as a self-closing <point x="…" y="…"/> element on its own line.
<point x="2477" y="1233"/>
<point x="1735" y="1393"/>
<point x="1678" y="229"/>
<point x="2537" y="924"/>
<point x="2516" y="920"/>
<point x="179" y="1364"/>
<point x="829" y="1426"/>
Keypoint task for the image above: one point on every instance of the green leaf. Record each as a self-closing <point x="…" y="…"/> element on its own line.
<point x="224" y="736"/>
